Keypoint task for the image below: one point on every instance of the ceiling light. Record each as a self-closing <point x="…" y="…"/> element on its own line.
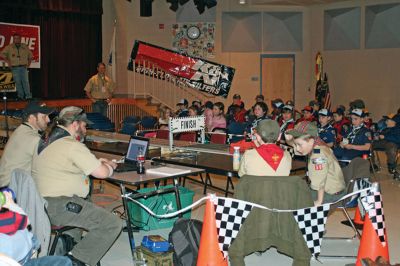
<point x="242" y="2"/>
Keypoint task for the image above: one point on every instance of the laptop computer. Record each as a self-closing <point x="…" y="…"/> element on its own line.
<point x="135" y="143"/>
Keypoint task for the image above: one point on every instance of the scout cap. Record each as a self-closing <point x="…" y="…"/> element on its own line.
<point x="268" y="130"/>
<point x="308" y="109"/>
<point x="394" y="117"/>
<point x="324" y="112"/>
<point x="304" y="128"/>
<point x="183" y="102"/>
<point x="35" y="107"/>
<point x="73" y="113"/>
<point x="338" y="111"/>
<point x="288" y="107"/>
<point x="358" y="112"/>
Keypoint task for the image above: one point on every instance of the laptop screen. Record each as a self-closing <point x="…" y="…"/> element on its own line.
<point x="135" y="144"/>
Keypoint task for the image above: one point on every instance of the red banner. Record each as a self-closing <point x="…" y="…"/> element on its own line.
<point x="30" y="35"/>
<point x="197" y="73"/>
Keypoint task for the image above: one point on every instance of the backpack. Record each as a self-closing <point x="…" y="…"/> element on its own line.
<point x="185" y="240"/>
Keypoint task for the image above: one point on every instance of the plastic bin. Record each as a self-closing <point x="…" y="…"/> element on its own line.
<point x="159" y="204"/>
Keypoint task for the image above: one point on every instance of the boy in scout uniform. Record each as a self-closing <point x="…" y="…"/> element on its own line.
<point x="99" y="89"/>
<point x="18" y="58"/>
<point x="325" y="129"/>
<point x="267" y="159"/>
<point x="327" y="181"/>
<point x="357" y="140"/>
<point x="20" y="147"/>
<point x="60" y="168"/>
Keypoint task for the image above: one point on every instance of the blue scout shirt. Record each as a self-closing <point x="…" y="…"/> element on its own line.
<point x="327" y="133"/>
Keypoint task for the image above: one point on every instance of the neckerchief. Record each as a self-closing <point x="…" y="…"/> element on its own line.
<point x="354" y="131"/>
<point x="57" y="133"/>
<point x="271" y="153"/>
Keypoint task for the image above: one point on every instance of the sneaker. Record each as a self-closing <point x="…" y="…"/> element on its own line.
<point x="75" y="261"/>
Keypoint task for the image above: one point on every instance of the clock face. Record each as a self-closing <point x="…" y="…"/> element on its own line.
<point x="193" y="32"/>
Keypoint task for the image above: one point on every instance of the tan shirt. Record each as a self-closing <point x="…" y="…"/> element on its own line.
<point x="63" y="167"/>
<point x="18" y="152"/>
<point x="324" y="170"/>
<point x="252" y="163"/>
<point x="17" y="56"/>
<point x="100" y="87"/>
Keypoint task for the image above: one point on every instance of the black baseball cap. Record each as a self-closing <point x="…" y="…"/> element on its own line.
<point x="35" y="107"/>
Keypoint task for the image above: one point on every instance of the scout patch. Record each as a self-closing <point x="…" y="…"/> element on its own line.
<point x="318" y="163"/>
<point x="318" y="167"/>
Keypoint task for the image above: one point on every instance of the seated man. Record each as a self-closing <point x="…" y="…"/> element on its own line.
<point x="267" y="159"/>
<point x="60" y="169"/>
<point x="356" y="141"/>
<point x="287" y="121"/>
<point x="16" y="241"/>
<point x="389" y="140"/>
<point x="341" y="123"/>
<point x="325" y="129"/>
<point x="22" y="143"/>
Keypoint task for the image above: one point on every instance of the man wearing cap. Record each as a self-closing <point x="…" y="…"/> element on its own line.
<point x="389" y="141"/>
<point x="357" y="140"/>
<point x="60" y="168"/>
<point x="277" y="106"/>
<point x="267" y="159"/>
<point x="325" y="129"/>
<point x="22" y="143"/>
<point x="287" y="121"/>
<point x="99" y="89"/>
<point x="308" y="115"/>
<point x="182" y="108"/>
<point x="18" y="57"/>
<point x="324" y="172"/>
<point x="341" y="124"/>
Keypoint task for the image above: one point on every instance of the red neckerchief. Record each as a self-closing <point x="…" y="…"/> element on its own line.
<point x="271" y="153"/>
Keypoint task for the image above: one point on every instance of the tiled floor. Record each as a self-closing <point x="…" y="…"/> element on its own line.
<point x="120" y="254"/>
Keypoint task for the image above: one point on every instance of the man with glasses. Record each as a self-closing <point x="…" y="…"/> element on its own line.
<point x="60" y="169"/>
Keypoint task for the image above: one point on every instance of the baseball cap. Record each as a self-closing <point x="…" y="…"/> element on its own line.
<point x="278" y="104"/>
<point x="394" y="117"/>
<point x="338" y="111"/>
<point x="260" y="96"/>
<point x="196" y="101"/>
<point x="183" y="101"/>
<point x="35" y="107"/>
<point x="357" y="112"/>
<point x="268" y="129"/>
<point x="304" y="128"/>
<point x="324" y="112"/>
<point x="237" y="96"/>
<point x="288" y="107"/>
<point x="308" y="109"/>
<point x="73" y="113"/>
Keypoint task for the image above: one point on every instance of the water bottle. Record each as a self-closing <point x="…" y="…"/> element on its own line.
<point x="2" y="199"/>
<point x="236" y="158"/>
<point x="140" y="161"/>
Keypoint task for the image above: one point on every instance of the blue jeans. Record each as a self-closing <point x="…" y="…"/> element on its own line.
<point x="20" y="76"/>
<point x="100" y="106"/>
<point x="49" y="261"/>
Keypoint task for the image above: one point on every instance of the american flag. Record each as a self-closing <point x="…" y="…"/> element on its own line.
<point x="328" y="103"/>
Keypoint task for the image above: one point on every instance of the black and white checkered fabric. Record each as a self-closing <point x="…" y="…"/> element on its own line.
<point x="374" y="207"/>
<point x="230" y="214"/>
<point x="311" y="222"/>
<point x="362" y="184"/>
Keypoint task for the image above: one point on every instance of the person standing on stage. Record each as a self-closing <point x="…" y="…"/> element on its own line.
<point x="99" y="89"/>
<point x="18" y="58"/>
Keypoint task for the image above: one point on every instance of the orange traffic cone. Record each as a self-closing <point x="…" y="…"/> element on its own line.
<point x="209" y="252"/>
<point x="370" y="245"/>
<point x="357" y="217"/>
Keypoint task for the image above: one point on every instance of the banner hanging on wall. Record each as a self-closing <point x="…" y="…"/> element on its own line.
<point x="30" y="35"/>
<point x="199" y="74"/>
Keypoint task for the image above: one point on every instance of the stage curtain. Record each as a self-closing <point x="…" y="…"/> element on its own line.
<point x="71" y="42"/>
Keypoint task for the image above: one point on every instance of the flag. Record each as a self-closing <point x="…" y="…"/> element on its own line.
<point x="373" y="205"/>
<point x="111" y="56"/>
<point x="230" y="214"/>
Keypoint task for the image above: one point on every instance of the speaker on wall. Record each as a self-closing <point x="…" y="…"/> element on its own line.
<point x="146" y="9"/>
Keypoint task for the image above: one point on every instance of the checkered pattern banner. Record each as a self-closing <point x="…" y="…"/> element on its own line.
<point x="359" y="185"/>
<point x="230" y="214"/>
<point x="311" y="222"/>
<point x="374" y="207"/>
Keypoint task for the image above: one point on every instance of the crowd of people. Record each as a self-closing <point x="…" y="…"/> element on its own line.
<point x="333" y="137"/>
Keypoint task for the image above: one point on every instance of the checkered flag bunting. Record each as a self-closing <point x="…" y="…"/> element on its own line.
<point x="360" y="184"/>
<point x="230" y="214"/>
<point x="311" y="222"/>
<point x="374" y="207"/>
